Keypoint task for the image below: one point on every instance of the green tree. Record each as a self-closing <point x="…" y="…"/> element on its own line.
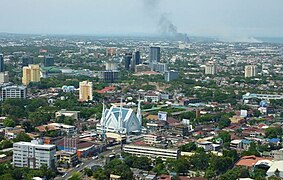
<point x="22" y="137"/>
<point x="199" y="161"/>
<point x="257" y="113"/>
<point x="120" y="168"/>
<point x="160" y="169"/>
<point x="209" y="173"/>
<point x="235" y="173"/>
<point x="75" y="176"/>
<point x="88" y="172"/>
<point x="28" y="126"/>
<point x="224" y="122"/>
<point x="9" y="122"/>
<point x="191" y="146"/>
<point x="100" y="174"/>
<point x="252" y="150"/>
<point x="225" y="136"/>
<point x="6" y="144"/>
<point x="273" y="132"/>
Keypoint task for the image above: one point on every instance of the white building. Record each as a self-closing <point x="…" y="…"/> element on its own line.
<point x="70" y="114"/>
<point x="276" y="167"/>
<point x="250" y="71"/>
<point x="68" y="129"/>
<point x="210" y="68"/>
<point x="120" y="120"/>
<point x="152" y="97"/>
<point x="9" y="92"/>
<point x="152" y="152"/>
<point x="152" y="139"/>
<point x="33" y="154"/>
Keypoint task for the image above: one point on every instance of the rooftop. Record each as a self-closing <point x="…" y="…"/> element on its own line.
<point x="35" y="145"/>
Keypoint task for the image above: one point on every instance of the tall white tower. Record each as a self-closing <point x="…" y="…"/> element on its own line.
<point x="139" y="114"/>
<point x="120" y="120"/>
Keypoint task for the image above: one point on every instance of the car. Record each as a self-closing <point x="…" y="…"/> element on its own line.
<point x="64" y="175"/>
<point x="95" y="157"/>
<point x="78" y="165"/>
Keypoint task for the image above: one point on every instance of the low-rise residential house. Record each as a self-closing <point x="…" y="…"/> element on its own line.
<point x="71" y="114"/>
<point x="11" y="133"/>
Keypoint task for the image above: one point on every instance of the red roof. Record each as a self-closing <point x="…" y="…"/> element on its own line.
<point x="106" y="89"/>
<point x="250" y="161"/>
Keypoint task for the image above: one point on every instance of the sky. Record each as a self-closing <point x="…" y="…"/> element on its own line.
<point x="222" y="18"/>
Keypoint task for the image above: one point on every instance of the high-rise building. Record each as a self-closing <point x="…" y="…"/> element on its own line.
<point x="210" y="68"/>
<point x="1" y="63"/>
<point x="10" y="92"/>
<point x="250" y="71"/>
<point x="127" y="60"/>
<point x="160" y="67"/>
<point x="111" y="51"/>
<point x="33" y="154"/>
<point x="27" y="60"/>
<point x="86" y="91"/>
<point x="48" y="61"/>
<point x="111" y="66"/>
<point x="109" y="76"/>
<point x="4" y="77"/>
<point x="171" y="75"/>
<point x="154" y="54"/>
<point x="31" y="74"/>
<point x="136" y="60"/>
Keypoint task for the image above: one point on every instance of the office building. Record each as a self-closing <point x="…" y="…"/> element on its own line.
<point x="10" y="92"/>
<point x="31" y="74"/>
<point x="27" y="60"/>
<point x="109" y="76"/>
<point x="136" y="60"/>
<point x="250" y="71"/>
<point x="210" y="68"/>
<point x="1" y="63"/>
<point x="4" y="77"/>
<point x="48" y="61"/>
<point x="111" y="66"/>
<point x="160" y="67"/>
<point x="152" y="152"/>
<point x="127" y="60"/>
<point x="85" y="91"/>
<point x="33" y="154"/>
<point x="154" y="54"/>
<point x="171" y="75"/>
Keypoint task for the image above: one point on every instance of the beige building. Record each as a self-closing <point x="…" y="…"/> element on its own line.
<point x="4" y="77"/>
<point x="85" y="91"/>
<point x="250" y="71"/>
<point x="31" y="74"/>
<point x="210" y="68"/>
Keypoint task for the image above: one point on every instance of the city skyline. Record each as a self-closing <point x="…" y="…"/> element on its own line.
<point x="224" y="19"/>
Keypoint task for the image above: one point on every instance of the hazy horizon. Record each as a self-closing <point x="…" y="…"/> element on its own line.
<point x="226" y="19"/>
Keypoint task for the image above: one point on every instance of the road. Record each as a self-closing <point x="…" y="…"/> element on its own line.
<point x="89" y="161"/>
